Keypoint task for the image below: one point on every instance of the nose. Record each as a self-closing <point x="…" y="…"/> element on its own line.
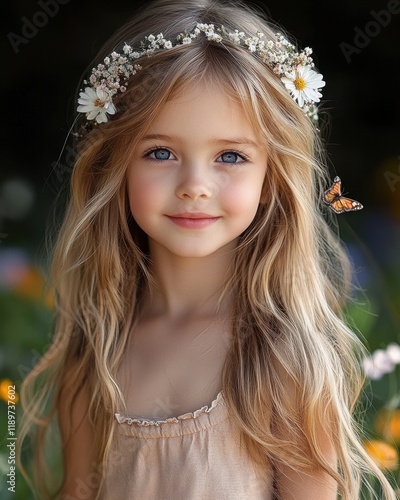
<point x="194" y="183"/>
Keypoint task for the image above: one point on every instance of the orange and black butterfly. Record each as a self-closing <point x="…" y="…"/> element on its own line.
<point x="338" y="203"/>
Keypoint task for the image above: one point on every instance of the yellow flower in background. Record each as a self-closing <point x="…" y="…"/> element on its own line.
<point x="32" y="286"/>
<point x="7" y="391"/>
<point x="387" y="424"/>
<point x="385" y="455"/>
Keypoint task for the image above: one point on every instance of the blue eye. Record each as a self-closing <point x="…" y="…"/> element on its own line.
<point x="160" y="154"/>
<point x="232" y="157"/>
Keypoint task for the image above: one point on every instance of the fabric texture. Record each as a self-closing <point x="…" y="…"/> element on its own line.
<point x="195" y="456"/>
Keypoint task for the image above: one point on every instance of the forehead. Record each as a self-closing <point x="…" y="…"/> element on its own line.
<point x="205" y="109"/>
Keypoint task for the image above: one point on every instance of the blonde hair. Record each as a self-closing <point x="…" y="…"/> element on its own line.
<point x="290" y="273"/>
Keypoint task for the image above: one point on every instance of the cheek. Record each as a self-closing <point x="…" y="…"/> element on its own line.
<point x="142" y="195"/>
<point x="242" y="195"/>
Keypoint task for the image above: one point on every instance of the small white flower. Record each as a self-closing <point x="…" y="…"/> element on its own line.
<point x="382" y="361"/>
<point x="215" y="37"/>
<point x="393" y="351"/>
<point x="370" y="370"/>
<point x="234" y="37"/>
<point x="127" y="49"/>
<point x="378" y="364"/>
<point x="311" y="111"/>
<point x="96" y="103"/>
<point x="251" y="44"/>
<point x="281" y="58"/>
<point x="303" y="84"/>
<point x="168" y="45"/>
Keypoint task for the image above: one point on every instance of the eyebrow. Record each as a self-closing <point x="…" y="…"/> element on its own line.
<point x="228" y="140"/>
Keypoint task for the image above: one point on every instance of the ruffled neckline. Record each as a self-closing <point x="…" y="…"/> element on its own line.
<point x="129" y="420"/>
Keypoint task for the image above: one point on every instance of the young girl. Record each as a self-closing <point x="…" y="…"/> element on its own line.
<point x="199" y="349"/>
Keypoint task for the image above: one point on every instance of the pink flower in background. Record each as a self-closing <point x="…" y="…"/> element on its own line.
<point x="14" y="264"/>
<point x="19" y="275"/>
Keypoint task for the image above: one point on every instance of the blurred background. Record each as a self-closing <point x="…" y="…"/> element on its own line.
<point x="48" y="44"/>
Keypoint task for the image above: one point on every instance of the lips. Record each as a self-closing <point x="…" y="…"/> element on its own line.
<point x="193" y="220"/>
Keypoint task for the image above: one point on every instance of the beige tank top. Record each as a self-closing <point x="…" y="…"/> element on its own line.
<point x="195" y="456"/>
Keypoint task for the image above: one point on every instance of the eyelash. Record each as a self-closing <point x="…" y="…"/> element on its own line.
<point x="147" y="153"/>
<point x="241" y="155"/>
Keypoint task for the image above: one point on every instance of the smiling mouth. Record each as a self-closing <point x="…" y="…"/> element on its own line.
<point x="193" y="220"/>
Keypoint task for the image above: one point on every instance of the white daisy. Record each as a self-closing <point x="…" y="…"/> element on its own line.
<point x="96" y="103"/>
<point x="303" y="84"/>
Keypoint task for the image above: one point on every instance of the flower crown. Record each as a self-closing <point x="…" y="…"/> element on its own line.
<point x="292" y="67"/>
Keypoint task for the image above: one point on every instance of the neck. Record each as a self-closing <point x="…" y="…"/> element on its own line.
<point x="189" y="285"/>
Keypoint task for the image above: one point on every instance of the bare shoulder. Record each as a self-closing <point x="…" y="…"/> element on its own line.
<point x="77" y="436"/>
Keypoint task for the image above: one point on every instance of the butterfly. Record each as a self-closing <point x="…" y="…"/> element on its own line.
<point x="338" y="203"/>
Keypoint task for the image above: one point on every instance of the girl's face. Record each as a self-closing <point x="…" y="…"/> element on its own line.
<point x="195" y="179"/>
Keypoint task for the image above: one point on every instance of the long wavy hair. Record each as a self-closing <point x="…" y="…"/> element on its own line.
<point x="290" y="273"/>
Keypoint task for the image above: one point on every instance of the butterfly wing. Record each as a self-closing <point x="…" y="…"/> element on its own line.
<point x="343" y="204"/>
<point x="338" y="203"/>
<point x="333" y="192"/>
